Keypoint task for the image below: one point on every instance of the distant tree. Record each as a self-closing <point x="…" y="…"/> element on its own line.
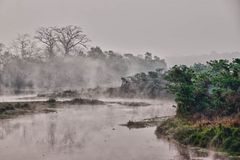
<point x="151" y="85"/>
<point x="96" y="52"/>
<point x="128" y="55"/>
<point x="148" y="56"/>
<point x="70" y="37"/>
<point x="46" y="36"/>
<point x="79" y="52"/>
<point x="24" y="46"/>
<point x="113" y="55"/>
<point x="156" y="58"/>
<point x="5" y="55"/>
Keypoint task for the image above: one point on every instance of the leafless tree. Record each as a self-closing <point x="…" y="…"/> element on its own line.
<point x="5" y="55"/>
<point x="70" y="37"/>
<point x="1" y="55"/>
<point x="46" y="36"/>
<point x="24" y="46"/>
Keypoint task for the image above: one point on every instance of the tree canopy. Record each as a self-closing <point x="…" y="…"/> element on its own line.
<point x="210" y="90"/>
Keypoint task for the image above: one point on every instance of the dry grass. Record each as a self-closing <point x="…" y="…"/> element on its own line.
<point x="233" y="121"/>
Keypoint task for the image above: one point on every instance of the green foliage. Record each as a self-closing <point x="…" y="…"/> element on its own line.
<point x="151" y="85"/>
<point x="211" y="89"/>
<point x="223" y="138"/>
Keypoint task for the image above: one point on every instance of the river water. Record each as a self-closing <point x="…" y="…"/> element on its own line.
<point x="85" y="132"/>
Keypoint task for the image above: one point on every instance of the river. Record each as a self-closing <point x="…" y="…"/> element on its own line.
<point x="85" y="132"/>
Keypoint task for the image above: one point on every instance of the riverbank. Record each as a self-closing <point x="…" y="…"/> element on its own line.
<point x="13" y="109"/>
<point x="220" y="135"/>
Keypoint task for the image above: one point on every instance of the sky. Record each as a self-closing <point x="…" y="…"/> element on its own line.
<point x="163" y="27"/>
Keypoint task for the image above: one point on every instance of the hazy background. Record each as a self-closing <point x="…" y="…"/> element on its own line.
<point x="164" y="27"/>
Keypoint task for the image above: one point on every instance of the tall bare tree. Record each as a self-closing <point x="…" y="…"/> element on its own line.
<point x="46" y="36"/>
<point x="5" y="55"/>
<point x="24" y="46"/>
<point x="70" y="37"/>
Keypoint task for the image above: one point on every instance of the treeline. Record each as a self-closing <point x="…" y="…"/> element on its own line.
<point x="58" y="58"/>
<point x="205" y="89"/>
<point x="150" y="85"/>
<point x="209" y="90"/>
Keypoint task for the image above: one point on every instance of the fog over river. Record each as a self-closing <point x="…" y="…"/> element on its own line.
<point x="91" y="133"/>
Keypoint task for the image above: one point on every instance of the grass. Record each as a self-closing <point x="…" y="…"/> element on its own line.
<point x="215" y="135"/>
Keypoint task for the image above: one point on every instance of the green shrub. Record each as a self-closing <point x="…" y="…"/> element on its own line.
<point x="223" y="138"/>
<point x="210" y="90"/>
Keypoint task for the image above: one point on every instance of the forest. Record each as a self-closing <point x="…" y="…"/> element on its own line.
<point x="59" y="58"/>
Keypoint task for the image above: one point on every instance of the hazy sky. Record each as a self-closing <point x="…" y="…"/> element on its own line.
<point x="164" y="27"/>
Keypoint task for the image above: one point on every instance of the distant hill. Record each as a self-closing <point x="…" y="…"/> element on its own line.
<point x="189" y="60"/>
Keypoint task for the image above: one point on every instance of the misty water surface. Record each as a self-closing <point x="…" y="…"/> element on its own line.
<point x="89" y="133"/>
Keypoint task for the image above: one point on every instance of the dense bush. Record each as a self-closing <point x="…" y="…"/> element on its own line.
<point x="206" y="90"/>
<point x="151" y="85"/>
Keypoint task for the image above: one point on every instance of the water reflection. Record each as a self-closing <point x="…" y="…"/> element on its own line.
<point x="51" y="134"/>
<point x="192" y="153"/>
<point x="89" y="132"/>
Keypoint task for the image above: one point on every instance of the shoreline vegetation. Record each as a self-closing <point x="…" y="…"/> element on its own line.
<point x="13" y="109"/>
<point x="208" y="107"/>
<point x="218" y="135"/>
